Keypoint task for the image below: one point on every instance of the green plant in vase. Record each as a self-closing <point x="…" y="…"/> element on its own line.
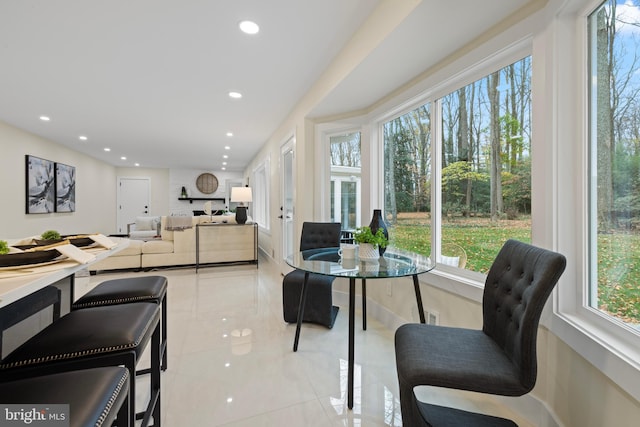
<point x="50" y="235"/>
<point x="4" y="247"/>
<point x="363" y="236"/>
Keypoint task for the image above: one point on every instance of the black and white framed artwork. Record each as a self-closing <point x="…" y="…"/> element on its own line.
<point x="40" y="185"/>
<point x="65" y="188"/>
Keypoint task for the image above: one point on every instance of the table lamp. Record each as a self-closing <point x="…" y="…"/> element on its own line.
<point x="241" y="195"/>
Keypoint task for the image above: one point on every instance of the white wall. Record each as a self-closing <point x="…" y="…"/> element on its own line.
<point x="95" y="188"/>
<point x="179" y="178"/>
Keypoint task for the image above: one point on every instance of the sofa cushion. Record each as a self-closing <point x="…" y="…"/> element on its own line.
<point x="142" y="235"/>
<point x="157" y="247"/>
<point x="134" y="248"/>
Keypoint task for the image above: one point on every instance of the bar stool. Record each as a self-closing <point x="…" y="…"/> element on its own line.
<point x="96" y="397"/>
<point x="127" y="290"/>
<point x="95" y="337"/>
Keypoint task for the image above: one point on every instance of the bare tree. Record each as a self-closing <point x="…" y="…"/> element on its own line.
<point x="605" y="34"/>
<point x="494" y="137"/>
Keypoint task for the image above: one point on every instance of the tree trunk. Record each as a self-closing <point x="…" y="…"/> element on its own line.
<point x="604" y="48"/>
<point x="496" y="163"/>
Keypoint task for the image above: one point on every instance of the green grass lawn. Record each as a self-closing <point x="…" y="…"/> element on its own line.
<point x="480" y="238"/>
<point x="618" y="254"/>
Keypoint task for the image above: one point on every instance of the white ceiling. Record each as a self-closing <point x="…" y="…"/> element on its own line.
<point x="149" y="78"/>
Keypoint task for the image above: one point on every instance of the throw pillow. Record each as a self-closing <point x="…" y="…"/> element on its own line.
<point x="144" y="223"/>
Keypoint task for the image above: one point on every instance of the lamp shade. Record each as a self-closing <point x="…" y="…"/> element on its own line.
<point x="241" y="194"/>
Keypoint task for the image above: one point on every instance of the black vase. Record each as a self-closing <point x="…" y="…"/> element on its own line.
<point x="377" y="222"/>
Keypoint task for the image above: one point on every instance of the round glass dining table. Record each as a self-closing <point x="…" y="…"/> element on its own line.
<point x="326" y="261"/>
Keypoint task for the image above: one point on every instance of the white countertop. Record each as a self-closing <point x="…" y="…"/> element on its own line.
<point x="18" y="283"/>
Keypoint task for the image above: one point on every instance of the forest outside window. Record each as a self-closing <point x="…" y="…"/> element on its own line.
<point x="480" y="156"/>
<point x="614" y="211"/>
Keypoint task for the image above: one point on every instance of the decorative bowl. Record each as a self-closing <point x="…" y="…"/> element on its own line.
<point x="28" y="258"/>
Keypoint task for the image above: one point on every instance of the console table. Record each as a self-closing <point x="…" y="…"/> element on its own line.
<point x="213" y="226"/>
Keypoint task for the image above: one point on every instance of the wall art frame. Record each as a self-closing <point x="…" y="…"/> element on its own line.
<point x="40" y="185"/>
<point x="65" y="188"/>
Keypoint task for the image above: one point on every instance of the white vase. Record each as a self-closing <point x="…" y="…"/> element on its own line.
<point x="368" y="252"/>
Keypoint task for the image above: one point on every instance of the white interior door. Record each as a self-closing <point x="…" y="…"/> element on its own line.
<point x="287" y="203"/>
<point x="133" y="200"/>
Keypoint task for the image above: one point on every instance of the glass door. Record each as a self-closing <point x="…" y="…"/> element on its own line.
<point x="287" y="203"/>
<point x="346" y="171"/>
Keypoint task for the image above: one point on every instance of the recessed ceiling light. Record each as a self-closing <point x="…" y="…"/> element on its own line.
<point x="235" y="95"/>
<point x="45" y="118"/>
<point x="107" y="149"/>
<point x="229" y="133"/>
<point x="82" y="138"/>
<point x="249" y="27"/>
<point x="224" y="163"/>
<point x="223" y="168"/>
<point x="136" y="164"/>
<point x="123" y="158"/>
<point x="226" y="147"/>
<point x="225" y="157"/>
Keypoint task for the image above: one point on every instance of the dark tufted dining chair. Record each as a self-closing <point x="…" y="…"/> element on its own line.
<point x="319" y="306"/>
<point x="499" y="359"/>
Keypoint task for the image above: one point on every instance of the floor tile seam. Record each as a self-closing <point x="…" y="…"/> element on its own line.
<point x="219" y="344"/>
<point x="273" y="412"/>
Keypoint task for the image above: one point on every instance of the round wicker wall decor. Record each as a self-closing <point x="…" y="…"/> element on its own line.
<point x="207" y="183"/>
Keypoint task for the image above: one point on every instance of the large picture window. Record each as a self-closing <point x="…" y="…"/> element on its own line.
<point x="481" y="162"/>
<point x="614" y="63"/>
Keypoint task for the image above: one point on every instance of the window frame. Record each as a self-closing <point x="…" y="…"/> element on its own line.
<point x="444" y="276"/>
<point x="322" y="155"/>
<point x="610" y="345"/>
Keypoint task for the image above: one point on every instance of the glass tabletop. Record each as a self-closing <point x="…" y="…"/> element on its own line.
<point x="394" y="263"/>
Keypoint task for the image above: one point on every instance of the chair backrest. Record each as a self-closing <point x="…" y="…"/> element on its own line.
<point x="320" y="235"/>
<point x="517" y="287"/>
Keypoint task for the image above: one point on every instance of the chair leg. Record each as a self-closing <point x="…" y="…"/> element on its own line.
<point x="153" y="407"/>
<point x="409" y="406"/>
<point x="164" y="333"/>
<point x="364" y="304"/>
<point x="123" y="412"/>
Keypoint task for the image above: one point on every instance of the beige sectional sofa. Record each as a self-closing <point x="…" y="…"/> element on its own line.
<point x="222" y="240"/>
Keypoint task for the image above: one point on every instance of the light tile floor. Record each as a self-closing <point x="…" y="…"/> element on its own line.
<point x="231" y="361"/>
